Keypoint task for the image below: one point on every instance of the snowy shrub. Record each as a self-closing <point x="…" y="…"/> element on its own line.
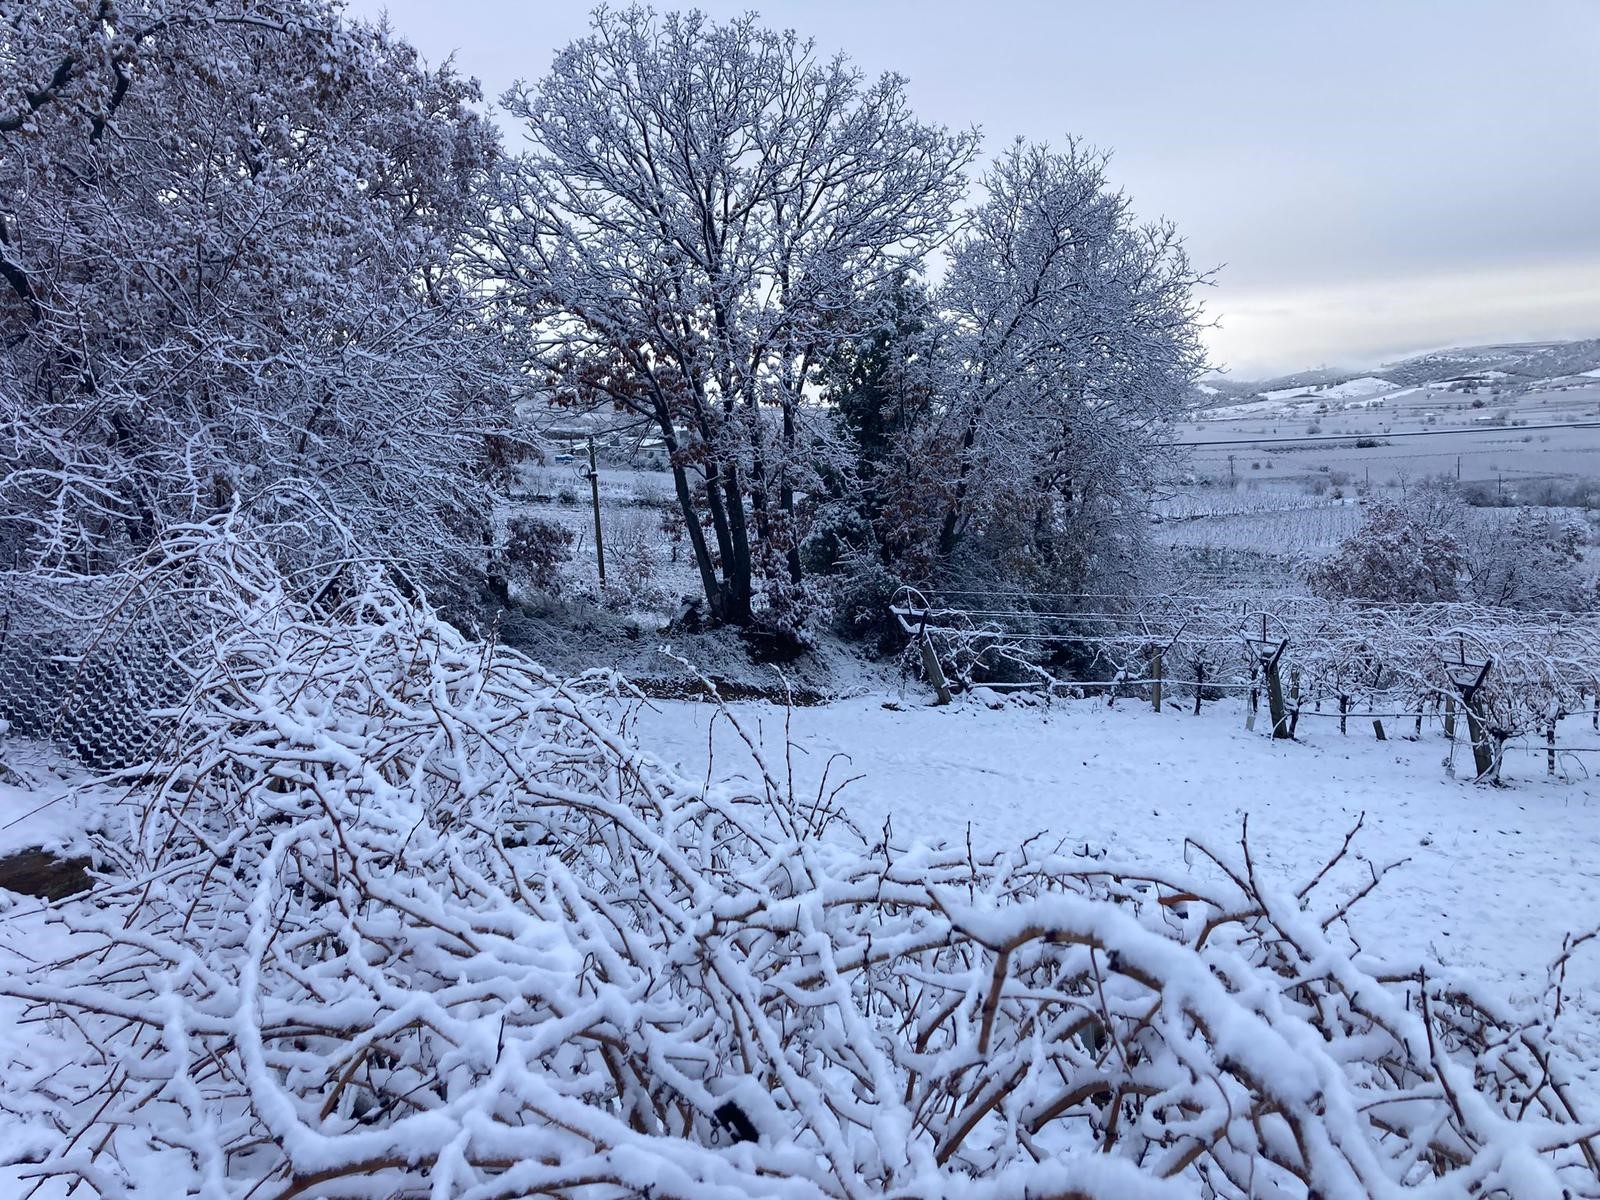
<point x="637" y="559"/>
<point x="1397" y="555"/>
<point x="400" y="915"/>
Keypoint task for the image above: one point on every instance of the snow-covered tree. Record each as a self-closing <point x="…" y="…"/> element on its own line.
<point x="228" y="234"/>
<point x="1400" y="554"/>
<point x="1072" y="343"/>
<point x="1532" y="561"/>
<point x="702" y="210"/>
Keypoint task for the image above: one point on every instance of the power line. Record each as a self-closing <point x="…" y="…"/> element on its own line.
<point x="1410" y="433"/>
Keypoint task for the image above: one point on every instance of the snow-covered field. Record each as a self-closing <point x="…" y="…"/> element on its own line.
<point x="1496" y="878"/>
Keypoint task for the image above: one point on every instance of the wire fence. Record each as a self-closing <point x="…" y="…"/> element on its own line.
<point x="89" y="667"/>
<point x="1510" y="673"/>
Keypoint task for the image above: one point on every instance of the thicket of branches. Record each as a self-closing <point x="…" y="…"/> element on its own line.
<point x="396" y="914"/>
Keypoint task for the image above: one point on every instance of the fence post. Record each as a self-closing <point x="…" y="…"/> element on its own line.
<point x="1280" y="718"/>
<point x="1344" y="708"/>
<point x="930" y="664"/>
<point x="1377" y="728"/>
<point x="1550" y="749"/>
<point x="594" y="499"/>
<point x="1199" y="685"/>
<point x="1450" y="718"/>
<point x="1155" y="680"/>
<point x="1482" y="752"/>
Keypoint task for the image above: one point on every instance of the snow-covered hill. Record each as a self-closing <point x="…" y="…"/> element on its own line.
<point x="1510" y="364"/>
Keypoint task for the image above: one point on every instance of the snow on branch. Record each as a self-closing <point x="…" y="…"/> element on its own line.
<point x="399" y="914"/>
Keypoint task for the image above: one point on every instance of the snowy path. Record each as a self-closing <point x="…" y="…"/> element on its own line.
<point x="1497" y="877"/>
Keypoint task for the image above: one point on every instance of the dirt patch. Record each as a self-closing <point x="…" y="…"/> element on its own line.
<point x="44" y="875"/>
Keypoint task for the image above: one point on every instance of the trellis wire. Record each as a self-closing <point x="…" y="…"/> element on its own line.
<point x="1546" y="664"/>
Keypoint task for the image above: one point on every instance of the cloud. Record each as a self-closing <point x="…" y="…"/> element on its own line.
<point x="1366" y="323"/>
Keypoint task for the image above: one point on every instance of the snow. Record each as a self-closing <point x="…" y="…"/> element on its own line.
<point x="1495" y="878"/>
<point x="1352" y="389"/>
<point x="1358" y="389"/>
<point x="40" y="804"/>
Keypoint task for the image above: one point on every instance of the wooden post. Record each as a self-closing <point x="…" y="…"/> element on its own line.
<point x="1294" y="700"/>
<point x="1344" y="707"/>
<point x="930" y="664"/>
<point x="1155" y="680"/>
<point x="1450" y="718"/>
<point x="1377" y="728"/>
<point x="1550" y="749"/>
<point x="1275" y="706"/>
<point x="594" y="497"/>
<point x="1485" y="758"/>
<point x="1482" y="752"/>
<point x="1199" y="685"/>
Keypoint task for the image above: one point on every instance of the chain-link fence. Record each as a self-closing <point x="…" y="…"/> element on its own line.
<point x="87" y="667"/>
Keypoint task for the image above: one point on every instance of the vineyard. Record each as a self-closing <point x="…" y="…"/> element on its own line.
<point x="1486" y="675"/>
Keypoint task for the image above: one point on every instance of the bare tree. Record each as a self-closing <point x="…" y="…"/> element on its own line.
<point x="1072" y="344"/>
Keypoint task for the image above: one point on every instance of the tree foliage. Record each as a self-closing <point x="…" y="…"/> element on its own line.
<point x="228" y="234"/>
<point x="702" y="209"/>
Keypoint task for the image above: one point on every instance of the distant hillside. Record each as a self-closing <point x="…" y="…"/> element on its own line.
<point x="1512" y="363"/>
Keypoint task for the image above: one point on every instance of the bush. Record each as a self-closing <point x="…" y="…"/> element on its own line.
<point x="1399" y="555"/>
<point x="536" y="548"/>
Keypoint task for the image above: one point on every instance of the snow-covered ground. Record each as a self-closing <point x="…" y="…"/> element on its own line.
<point x="1496" y="876"/>
<point x="41" y="802"/>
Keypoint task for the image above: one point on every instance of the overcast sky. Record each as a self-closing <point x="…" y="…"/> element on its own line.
<point x="1372" y="177"/>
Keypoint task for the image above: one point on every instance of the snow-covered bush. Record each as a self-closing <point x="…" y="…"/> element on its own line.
<point x="535" y="549"/>
<point x="228" y="239"/>
<point x="1399" y="555"/>
<point x="398" y="914"/>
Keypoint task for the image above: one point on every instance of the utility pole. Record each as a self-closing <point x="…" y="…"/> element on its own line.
<point x="594" y="497"/>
